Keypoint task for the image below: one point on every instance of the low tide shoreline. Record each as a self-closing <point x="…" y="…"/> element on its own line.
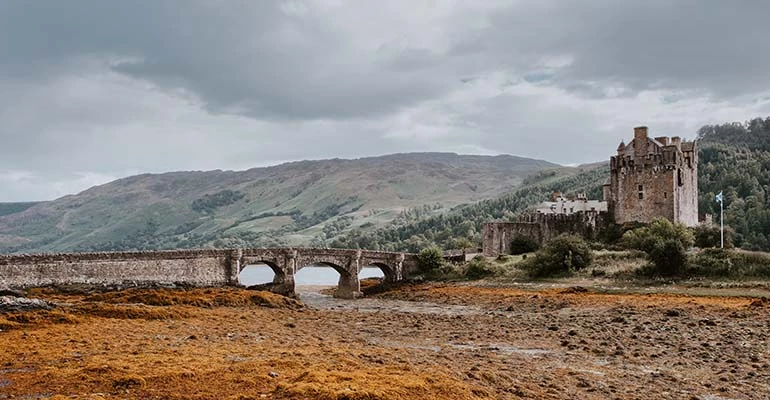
<point x="448" y="341"/>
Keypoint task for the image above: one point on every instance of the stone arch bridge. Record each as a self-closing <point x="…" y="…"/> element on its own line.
<point x="206" y="267"/>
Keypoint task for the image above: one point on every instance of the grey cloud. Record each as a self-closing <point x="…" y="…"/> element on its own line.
<point x="95" y="89"/>
<point x="703" y="45"/>
<point x="243" y="57"/>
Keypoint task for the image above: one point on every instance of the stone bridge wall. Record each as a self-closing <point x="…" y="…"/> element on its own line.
<point x="196" y="267"/>
<point x="191" y="267"/>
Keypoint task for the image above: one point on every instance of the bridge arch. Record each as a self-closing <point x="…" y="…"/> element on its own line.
<point x="271" y="263"/>
<point x="388" y="271"/>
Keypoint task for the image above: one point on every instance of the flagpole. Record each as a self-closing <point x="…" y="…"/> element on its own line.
<point x="721" y="199"/>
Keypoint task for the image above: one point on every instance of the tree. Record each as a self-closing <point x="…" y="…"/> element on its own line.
<point x="430" y="259"/>
<point x="563" y="255"/>
<point x="664" y="242"/>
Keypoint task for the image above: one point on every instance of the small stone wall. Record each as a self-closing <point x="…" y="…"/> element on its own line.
<point x="541" y="228"/>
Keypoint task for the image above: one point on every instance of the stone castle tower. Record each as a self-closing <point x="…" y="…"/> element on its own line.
<point x="651" y="178"/>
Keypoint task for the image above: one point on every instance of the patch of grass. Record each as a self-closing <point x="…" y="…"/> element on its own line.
<point x="728" y="263"/>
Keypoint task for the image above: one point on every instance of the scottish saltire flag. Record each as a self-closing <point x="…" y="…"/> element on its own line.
<point x="719" y="197"/>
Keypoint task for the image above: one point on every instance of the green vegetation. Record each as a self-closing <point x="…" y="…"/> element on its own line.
<point x="293" y="204"/>
<point x="430" y="259"/>
<point x="413" y="234"/>
<point x="735" y="158"/>
<point x="710" y="236"/>
<point x="523" y="244"/>
<point x="728" y="263"/>
<point x="210" y="202"/>
<point x="403" y="202"/>
<point x="564" y="255"/>
<point x="13" y="208"/>
<point x="479" y="268"/>
<point x="665" y="243"/>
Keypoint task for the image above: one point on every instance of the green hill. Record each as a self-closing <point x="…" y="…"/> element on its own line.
<point x="296" y="203"/>
<point x="418" y="229"/>
<point x="13" y="208"/>
<point x="733" y="157"/>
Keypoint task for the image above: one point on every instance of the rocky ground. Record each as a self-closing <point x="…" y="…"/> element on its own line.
<point x="427" y="341"/>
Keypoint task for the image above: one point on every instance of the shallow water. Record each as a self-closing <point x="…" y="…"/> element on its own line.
<point x="312" y="275"/>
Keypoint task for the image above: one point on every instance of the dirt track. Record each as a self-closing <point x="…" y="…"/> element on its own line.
<point x="452" y="342"/>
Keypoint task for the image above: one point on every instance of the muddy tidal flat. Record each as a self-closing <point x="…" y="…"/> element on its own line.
<point x="416" y="342"/>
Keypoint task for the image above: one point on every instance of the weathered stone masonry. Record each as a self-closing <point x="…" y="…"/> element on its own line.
<point x="197" y="267"/>
<point x="541" y="228"/>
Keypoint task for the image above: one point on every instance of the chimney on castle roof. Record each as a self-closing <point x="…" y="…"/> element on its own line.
<point x="640" y="140"/>
<point x="663" y="140"/>
<point x="640" y="132"/>
<point x="676" y="141"/>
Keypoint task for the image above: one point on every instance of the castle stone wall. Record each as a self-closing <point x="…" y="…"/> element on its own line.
<point x="541" y="228"/>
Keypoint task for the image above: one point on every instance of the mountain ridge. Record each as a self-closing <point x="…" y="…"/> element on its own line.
<point x="286" y="204"/>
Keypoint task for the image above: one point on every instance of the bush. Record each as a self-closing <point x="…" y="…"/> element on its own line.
<point x="563" y="255"/>
<point x="711" y="237"/>
<point x="523" y="244"/>
<point x="726" y="263"/>
<point x="479" y="268"/>
<point x="665" y="243"/>
<point x="430" y="259"/>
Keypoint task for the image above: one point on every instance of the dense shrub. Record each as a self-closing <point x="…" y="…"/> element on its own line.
<point x="706" y="236"/>
<point x="430" y="259"/>
<point x="523" y="244"/>
<point x="727" y="263"/>
<point x="563" y="255"/>
<point x="479" y="268"/>
<point x="665" y="243"/>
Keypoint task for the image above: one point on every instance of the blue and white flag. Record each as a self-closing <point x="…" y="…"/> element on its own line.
<point x="719" y="197"/>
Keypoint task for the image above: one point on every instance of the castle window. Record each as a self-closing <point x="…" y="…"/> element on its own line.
<point x="665" y="195"/>
<point x="641" y="192"/>
<point x="679" y="177"/>
<point x="641" y="188"/>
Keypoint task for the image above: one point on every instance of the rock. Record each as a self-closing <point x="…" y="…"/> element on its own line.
<point x="11" y="292"/>
<point x="13" y="304"/>
<point x="272" y="374"/>
<point x="673" y="313"/>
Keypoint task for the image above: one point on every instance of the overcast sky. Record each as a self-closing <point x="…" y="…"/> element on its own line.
<point x="95" y="90"/>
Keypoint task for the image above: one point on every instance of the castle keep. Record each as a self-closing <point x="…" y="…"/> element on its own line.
<point x="652" y="178"/>
<point x="649" y="178"/>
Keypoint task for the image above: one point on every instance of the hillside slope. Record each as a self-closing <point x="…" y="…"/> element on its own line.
<point x="289" y="204"/>
<point x="416" y="230"/>
<point x="735" y="159"/>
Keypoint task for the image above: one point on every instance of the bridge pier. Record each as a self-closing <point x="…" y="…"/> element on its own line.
<point x="283" y="284"/>
<point x="349" y="287"/>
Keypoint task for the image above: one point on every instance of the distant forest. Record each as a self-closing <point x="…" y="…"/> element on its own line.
<point x="733" y="158"/>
